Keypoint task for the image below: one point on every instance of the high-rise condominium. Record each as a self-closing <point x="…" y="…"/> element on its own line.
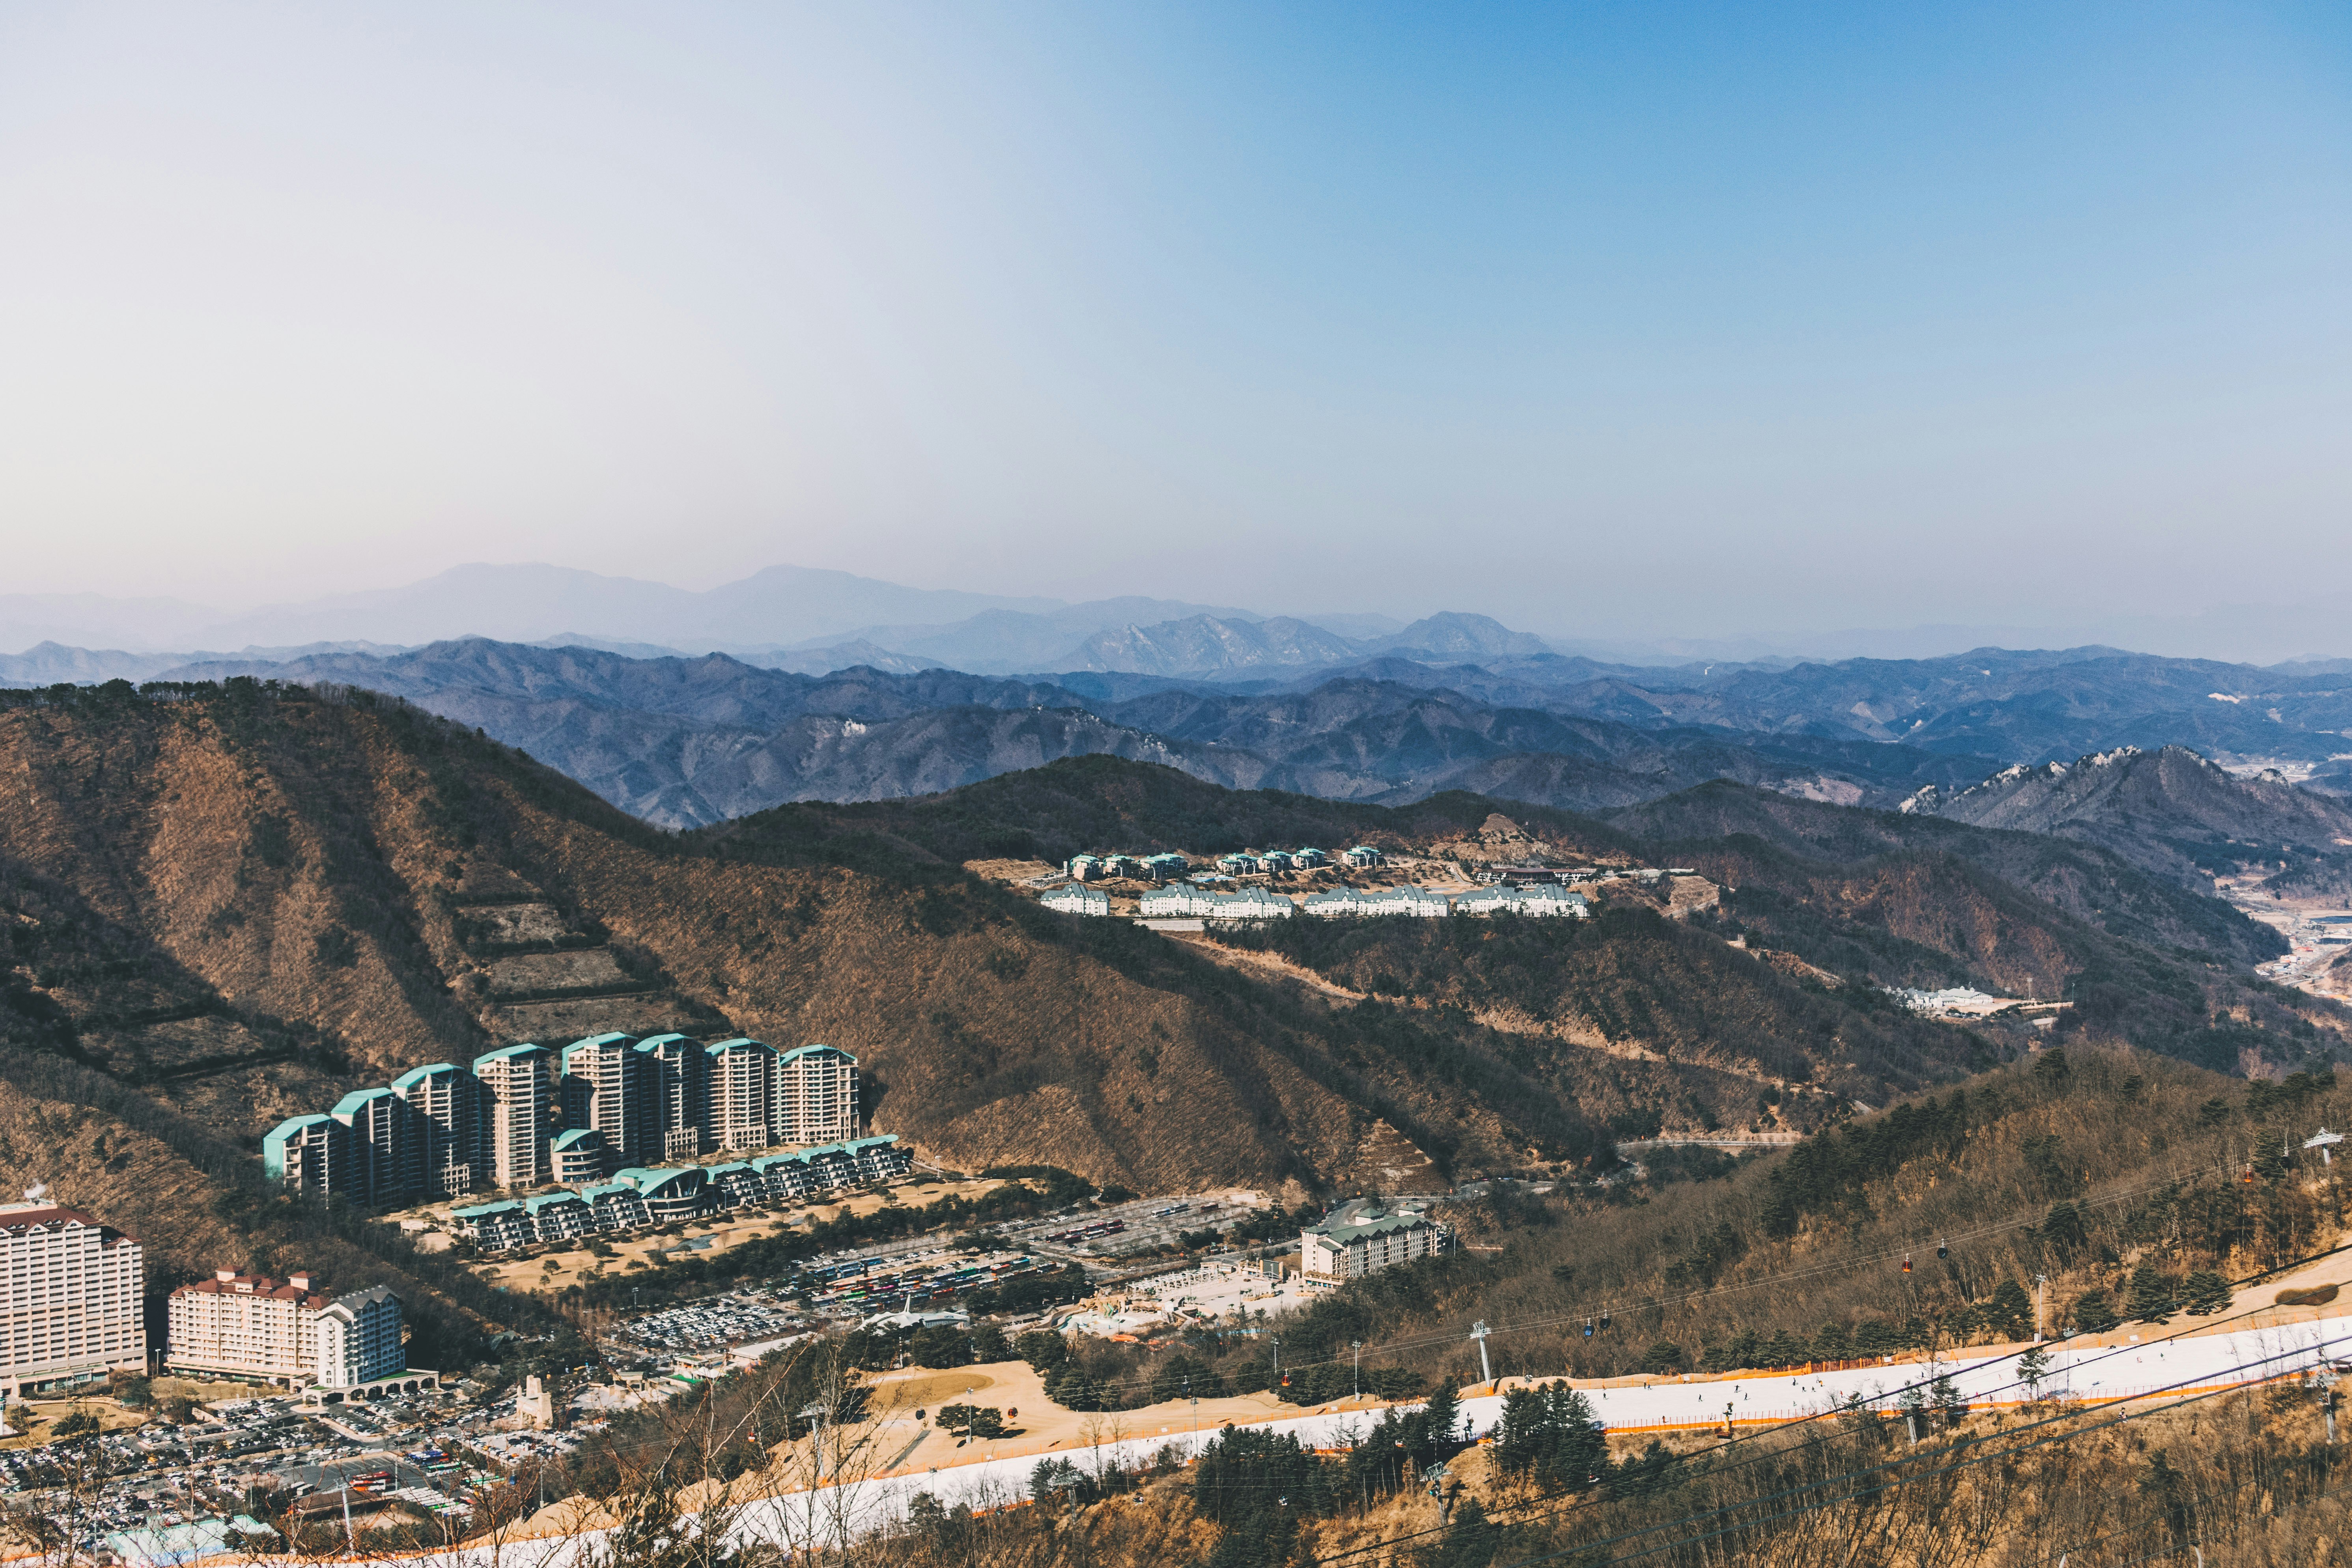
<point x="611" y="1088"/>
<point x="449" y="1100"/>
<point x="519" y="1111"/>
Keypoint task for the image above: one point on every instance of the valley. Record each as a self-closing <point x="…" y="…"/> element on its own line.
<point x="229" y="904"/>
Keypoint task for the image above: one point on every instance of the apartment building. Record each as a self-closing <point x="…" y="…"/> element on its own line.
<point x="448" y="1100"/>
<point x="519" y="1111"/>
<point x="284" y="1333"/>
<point x="612" y="1087"/>
<point x="682" y="1097"/>
<point x="815" y="1098"/>
<point x="74" y="1307"/>
<point x="310" y="1154"/>
<point x="386" y="1145"/>
<point x="742" y="1092"/>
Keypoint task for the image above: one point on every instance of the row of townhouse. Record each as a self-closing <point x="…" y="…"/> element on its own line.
<point x="1075" y="900"/>
<point x="635" y="1197"/>
<point x="1247" y="862"/>
<point x="1162" y="868"/>
<point x="1199" y="903"/>
<point x="1350" y="902"/>
<point x="1540" y="899"/>
<point x="1354" y="902"/>
<point x="523" y="1115"/>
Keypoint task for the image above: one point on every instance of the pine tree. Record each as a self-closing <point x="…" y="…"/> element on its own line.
<point x="1441" y="1421"/>
<point x="1665" y="1356"/>
<point x="2205" y="1294"/>
<point x="2011" y="1308"/>
<point x="2094" y="1313"/>
<point x="2151" y="1294"/>
<point x="2031" y="1368"/>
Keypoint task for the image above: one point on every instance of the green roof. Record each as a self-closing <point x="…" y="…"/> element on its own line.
<point x="738" y="1040"/>
<point x="1386" y="1225"/>
<point x="507" y="1052"/>
<point x="648" y="1183"/>
<point x="415" y="1075"/>
<point x="587" y="1044"/>
<point x="803" y="1050"/>
<point x="576" y="1136"/>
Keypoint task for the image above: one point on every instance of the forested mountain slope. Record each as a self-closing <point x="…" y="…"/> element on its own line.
<point x="228" y="904"/>
<point x="2120" y="1177"/>
<point x="2169" y="811"/>
<point x="1751" y="835"/>
<point x="243" y="902"/>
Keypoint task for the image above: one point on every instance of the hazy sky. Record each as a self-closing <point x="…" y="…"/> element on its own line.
<point x="1640" y="317"/>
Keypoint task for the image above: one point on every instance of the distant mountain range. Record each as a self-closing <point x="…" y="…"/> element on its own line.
<point x="781" y="610"/>
<point x="2169" y="810"/>
<point x="688" y="743"/>
<point x="692" y="708"/>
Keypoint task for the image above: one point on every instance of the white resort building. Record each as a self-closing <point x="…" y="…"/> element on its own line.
<point x="282" y="1332"/>
<point x="1360" y="1239"/>
<point x="75" y="1307"/>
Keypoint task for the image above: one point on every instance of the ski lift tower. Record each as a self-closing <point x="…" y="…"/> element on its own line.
<point x="2323" y="1141"/>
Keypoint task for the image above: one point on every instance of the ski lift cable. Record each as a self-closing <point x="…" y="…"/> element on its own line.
<point x="1976" y="1453"/>
<point x="1579" y="1501"/>
<point x="1776" y="1428"/>
<point x="1423" y="1341"/>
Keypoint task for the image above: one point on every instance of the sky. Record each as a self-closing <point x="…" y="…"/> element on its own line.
<point x="1626" y="319"/>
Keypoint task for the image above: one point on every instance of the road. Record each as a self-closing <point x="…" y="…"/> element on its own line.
<point x="328" y="1475"/>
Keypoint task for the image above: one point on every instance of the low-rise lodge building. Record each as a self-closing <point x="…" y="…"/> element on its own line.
<point x="1347" y="1246"/>
<point x="638" y="1197"/>
<point x="1077" y="901"/>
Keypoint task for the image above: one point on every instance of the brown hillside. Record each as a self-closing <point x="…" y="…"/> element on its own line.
<point x="248" y="903"/>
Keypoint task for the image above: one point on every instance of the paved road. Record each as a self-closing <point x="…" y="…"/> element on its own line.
<point x="328" y="1474"/>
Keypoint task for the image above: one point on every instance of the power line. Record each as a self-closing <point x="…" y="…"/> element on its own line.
<point x="1780" y="1427"/>
<point x="1985" y="1452"/>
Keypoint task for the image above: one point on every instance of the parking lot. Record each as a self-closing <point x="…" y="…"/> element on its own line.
<point x="708" y="1325"/>
<point x="1145" y="1225"/>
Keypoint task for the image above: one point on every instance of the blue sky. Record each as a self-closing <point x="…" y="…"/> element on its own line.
<point x="1641" y="320"/>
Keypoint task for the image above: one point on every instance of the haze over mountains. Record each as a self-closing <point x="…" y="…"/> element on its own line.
<point x="688" y="709"/>
<point x="815" y="616"/>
